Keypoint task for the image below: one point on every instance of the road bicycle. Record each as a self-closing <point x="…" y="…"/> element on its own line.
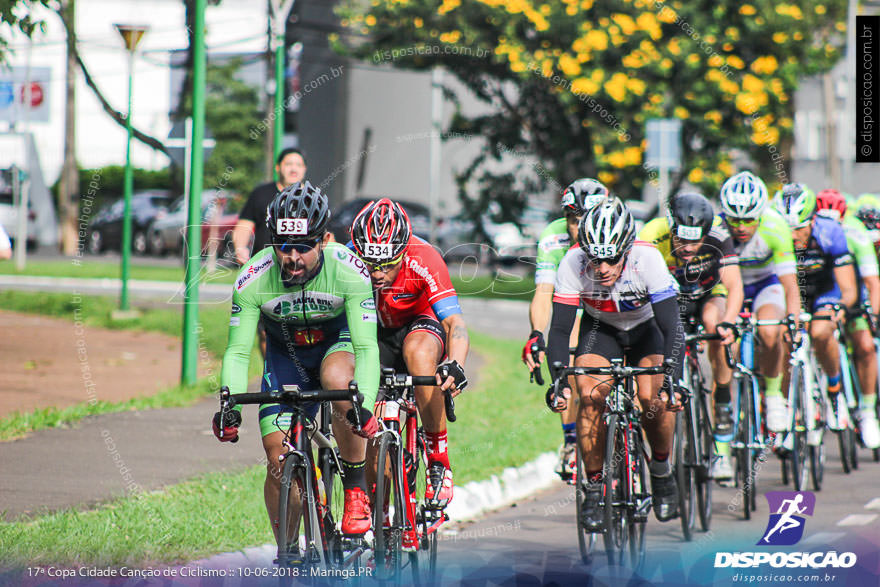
<point x="404" y="528"/>
<point x="804" y="446"/>
<point x="842" y="418"/>
<point x="626" y="499"/>
<point x="694" y="447"/>
<point x="749" y="440"/>
<point x="315" y="486"/>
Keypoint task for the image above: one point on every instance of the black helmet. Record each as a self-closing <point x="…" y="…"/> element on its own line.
<point x="607" y="231"/>
<point x="690" y="216"/>
<point x="583" y="194"/>
<point x="299" y="213"/>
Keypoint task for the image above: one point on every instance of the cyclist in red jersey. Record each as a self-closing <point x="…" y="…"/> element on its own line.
<point x="420" y="322"/>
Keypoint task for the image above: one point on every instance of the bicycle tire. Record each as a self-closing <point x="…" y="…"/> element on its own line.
<point x="295" y="473"/>
<point x="707" y="455"/>
<point x="744" y="437"/>
<point x="817" y="466"/>
<point x="388" y="550"/>
<point x="614" y="475"/>
<point x="637" y="520"/>
<point x="683" y="474"/>
<point x="335" y="502"/>
<point x="586" y="540"/>
<point x="799" y="454"/>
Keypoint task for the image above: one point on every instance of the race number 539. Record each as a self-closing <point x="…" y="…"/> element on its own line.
<point x="293" y="226"/>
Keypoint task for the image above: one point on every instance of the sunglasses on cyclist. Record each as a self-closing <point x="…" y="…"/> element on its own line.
<point x="299" y="246"/>
<point x="732" y="221"/>
<point x="386" y="266"/>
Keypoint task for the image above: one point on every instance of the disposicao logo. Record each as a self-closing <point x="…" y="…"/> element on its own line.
<point x="786" y="526"/>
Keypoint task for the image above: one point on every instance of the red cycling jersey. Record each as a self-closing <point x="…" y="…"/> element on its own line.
<point x="422" y="287"/>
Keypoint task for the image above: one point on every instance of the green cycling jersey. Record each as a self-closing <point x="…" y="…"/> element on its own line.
<point x="860" y="243"/>
<point x="339" y="296"/>
<point x="552" y="246"/>
<point x="769" y="252"/>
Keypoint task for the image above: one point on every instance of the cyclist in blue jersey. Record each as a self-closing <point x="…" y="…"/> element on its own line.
<point x="825" y="272"/>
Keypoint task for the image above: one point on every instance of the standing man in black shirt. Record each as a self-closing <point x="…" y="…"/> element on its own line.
<point x="291" y="168"/>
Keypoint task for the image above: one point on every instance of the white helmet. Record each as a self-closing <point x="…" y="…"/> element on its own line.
<point x="744" y="196"/>
<point x="607" y="230"/>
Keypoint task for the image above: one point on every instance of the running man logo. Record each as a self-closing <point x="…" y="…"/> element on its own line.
<point x="786" y="525"/>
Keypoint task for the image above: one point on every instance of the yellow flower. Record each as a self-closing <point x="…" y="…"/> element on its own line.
<point x="726" y="168"/>
<point x="785" y="122"/>
<point x="632" y="156"/>
<point x="727" y="47"/>
<point x="569" y="65"/>
<point x="666" y="63"/>
<point x="762" y="122"/>
<point x="780" y="38"/>
<point x="696" y="175"/>
<point x="571" y="10"/>
<point x="636" y="86"/>
<point x="666" y="15"/>
<point x="746" y="104"/>
<point x="798" y="36"/>
<point x="418" y="23"/>
<point x="586" y="4"/>
<point x="607" y="178"/>
<point x="752" y="83"/>
<point x="584" y="86"/>
<point x="765" y="65"/>
<point x="656" y="99"/>
<point x="370" y="20"/>
<point x="747" y="9"/>
<point x="715" y="61"/>
<point x="692" y="59"/>
<point x="517" y="66"/>
<point x="448" y="5"/>
<point x="681" y="112"/>
<point x="674" y="46"/>
<point x="648" y="23"/>
<point x="633" y="60"/>
<point x="450" y="37"/>
<point x="732" y="33"/>
<point x="820" y="9"/>
<point x="625" y="22"/>
<point x="790" y="10"/>
<point x="598" y="149"/>
<point x="769" y="136"/>
<point x="734" y="61"/>
<point x="713" y="115"/>
<point x="616" y="87"/>
<point x="597" y="40"/>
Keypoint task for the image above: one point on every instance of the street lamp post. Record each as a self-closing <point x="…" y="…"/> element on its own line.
<point x="280" y="9"/>
<point x="131" y="35"/>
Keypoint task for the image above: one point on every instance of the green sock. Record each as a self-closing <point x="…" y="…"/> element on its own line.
<point x="722" y="449"/>
<point x="773" y="386"/>
<point x="868" y="401"/>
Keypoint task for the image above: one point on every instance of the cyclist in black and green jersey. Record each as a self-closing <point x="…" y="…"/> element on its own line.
<point x="316" y="302"/>
<point x="555" y="241"/>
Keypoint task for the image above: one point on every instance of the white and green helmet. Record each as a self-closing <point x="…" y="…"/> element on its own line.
<point x="744" y="196"/>
<point x="607" y="231"/>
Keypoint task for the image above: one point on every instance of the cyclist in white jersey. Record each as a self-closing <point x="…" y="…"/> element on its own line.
<point x="630" y="310"/>
<point x="763" y="240"/>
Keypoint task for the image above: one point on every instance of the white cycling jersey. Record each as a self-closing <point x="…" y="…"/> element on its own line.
<point x="645" y="280"/>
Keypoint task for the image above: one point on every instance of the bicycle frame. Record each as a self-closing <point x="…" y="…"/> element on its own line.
<point x="746" y="367"/>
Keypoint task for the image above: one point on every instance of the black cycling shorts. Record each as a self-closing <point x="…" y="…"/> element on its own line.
<point x="596" y="338"/>
<point x="391" y="341"/>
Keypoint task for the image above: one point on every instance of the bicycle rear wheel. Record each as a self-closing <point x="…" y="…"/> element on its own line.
<point x="639" y="497"/>
<point x="684" y="473"/>
<point x="387" y="537"/>
<point x="744" y="435"/>
<point x="616" y="458"/>
<point x="586" y="539"/>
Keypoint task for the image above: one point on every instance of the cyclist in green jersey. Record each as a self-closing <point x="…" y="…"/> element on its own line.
<point x="555" y="241"/>
<point x="316" y="302"/>
<point x="763" y="240"/>
<point x="833" y="204"/>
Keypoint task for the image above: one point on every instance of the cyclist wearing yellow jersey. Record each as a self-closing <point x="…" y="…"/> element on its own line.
<point x="555" y="240"/>
<point x="699" y="253"/>
<point x="763" y="240"/>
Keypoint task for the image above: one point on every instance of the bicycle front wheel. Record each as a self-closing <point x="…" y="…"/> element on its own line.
<point x="799" y="453"/>
<point x="684" y="473"/>
<point x="586" y="539"/>
<point x="297" y="506"/>
<point x="744" y="435"/>
<point x="706" y="454"/>
<point x="616" y="459"/>
<point x="388" y="512"/>
<point x="638" y="498"/>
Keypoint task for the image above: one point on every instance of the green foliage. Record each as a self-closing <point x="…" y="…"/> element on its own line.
<point x="17" y="14"/>
<point x="572" y="83"/>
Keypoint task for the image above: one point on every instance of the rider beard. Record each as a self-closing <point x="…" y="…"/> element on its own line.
<point x="290" y="266"/>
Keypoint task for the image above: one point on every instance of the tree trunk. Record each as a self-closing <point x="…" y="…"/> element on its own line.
<point x="68" y="192"/>
<point x="269" y="135"/>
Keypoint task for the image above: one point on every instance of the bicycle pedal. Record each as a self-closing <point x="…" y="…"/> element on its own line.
<point x="643" y="507"/>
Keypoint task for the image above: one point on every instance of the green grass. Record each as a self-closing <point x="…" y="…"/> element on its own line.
<point x="95" y="311"/>
<point x="502" y="422"/>
<point x="97" y="268"/>
<point x="508" y="286"/>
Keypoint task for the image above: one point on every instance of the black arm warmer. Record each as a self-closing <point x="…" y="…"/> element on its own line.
<point x="560" y="331"/>
<point x="669" y="321"/>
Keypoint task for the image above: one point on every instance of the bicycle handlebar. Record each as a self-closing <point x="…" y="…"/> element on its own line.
<point x="390" y="379"/>
<point x="535" y="374"/>
<point x="617" y="371"/>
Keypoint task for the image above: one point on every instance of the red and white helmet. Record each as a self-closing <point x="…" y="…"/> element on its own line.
<point x="831" y="203"/>
<point x="381" y="231"/>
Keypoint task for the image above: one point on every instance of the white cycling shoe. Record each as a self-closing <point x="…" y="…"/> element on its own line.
<point x="777" y="413"/>
<point x="721" y="468"/>
<point x="869" y="427"/>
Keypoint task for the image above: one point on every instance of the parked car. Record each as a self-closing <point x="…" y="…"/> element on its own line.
<point x="9" y="213"/>
<point x="458" y="238"/>
<point x="105" y="229"/>
<point x="343" y="216"/>
<point x="168" y="235"/>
